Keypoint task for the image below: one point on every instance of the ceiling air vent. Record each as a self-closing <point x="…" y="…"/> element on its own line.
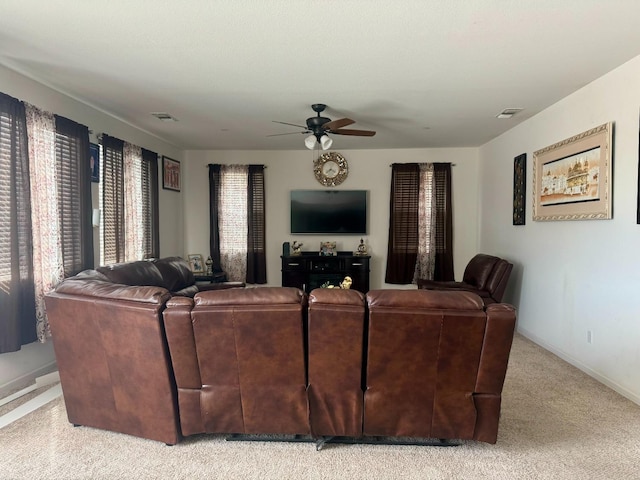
<point x="165" y="117"/>
<point x="508" y="112"/>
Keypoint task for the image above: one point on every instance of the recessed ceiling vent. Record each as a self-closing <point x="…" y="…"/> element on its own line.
<point x="165" y="117"/>
<point x="508" y="112"/>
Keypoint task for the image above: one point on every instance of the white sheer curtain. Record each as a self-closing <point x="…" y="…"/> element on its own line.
<point x="134" y="228"/>
<point x="232" y="221"/>
<point x="426" y="261"/>
<point x="48" y="268"/>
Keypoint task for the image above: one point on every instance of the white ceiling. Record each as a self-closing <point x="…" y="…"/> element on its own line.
<point x="422" y="73"/>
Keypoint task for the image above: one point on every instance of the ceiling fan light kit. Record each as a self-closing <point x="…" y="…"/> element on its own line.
<point x="319" y="127"/>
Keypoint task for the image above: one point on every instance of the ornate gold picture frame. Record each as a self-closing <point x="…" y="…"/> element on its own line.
<point x="572" y="178"/>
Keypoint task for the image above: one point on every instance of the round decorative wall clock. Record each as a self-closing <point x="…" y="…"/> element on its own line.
<point x="330" y="169"/>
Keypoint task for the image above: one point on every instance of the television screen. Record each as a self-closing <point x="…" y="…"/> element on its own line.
<point x="329" y="211"/>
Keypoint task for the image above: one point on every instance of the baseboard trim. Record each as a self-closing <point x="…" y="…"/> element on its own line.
<point x="581" y="366"/>
<point x="27" y="379"/>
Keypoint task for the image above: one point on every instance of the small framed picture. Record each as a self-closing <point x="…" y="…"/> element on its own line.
<point x="94" y="162"/>
<point x="196" y="263"/>
<point x="328" y="249"/>
<point x="170" y="174"/>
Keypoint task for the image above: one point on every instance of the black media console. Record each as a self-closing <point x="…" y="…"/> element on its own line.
<point x="310" y="270"/>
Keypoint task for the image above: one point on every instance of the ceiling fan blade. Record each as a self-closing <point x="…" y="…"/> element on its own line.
<point x="341" y="122"/>
<point x="290" y="133"/>
<point x="348" y="131"/>
<point x="292" y="124"/>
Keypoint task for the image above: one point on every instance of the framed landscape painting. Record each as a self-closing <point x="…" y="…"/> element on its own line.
<point x="572" y="178"/>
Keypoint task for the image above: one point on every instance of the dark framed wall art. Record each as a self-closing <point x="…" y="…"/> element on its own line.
<point x="94" y="162"/>
<point x="170" y="174"/>
<point x="519" y="188"/>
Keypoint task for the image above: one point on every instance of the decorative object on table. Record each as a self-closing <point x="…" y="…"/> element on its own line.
<point x="94" y="162"/>
<point x="519" y="187"/>
<point x="196" y="263"/>
<point x="327" y="249"/>
<point x="170" y="174"/>
<point x="362" y="248"/>
<point x="330" y="169"/>
<point x="572" y="178"/>
<point x="209" y="264"/>
<point x="296" y="248"/>
<point x="344" y="284"/>
<point x="286" y="249"/>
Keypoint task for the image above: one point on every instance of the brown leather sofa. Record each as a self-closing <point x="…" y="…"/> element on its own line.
<point x="110" y="346"/>
<point x="272" y="360"/>
<point x="485" y="275"/>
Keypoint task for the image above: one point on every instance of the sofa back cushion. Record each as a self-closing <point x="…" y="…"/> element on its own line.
<point x="176" y="273"/>
<point x="422" y="362"/>
<point x="479" y="270"/>
<point x="142" y="272"/>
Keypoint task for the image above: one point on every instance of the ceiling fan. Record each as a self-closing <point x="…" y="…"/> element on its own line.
<point x="319" y="127"/>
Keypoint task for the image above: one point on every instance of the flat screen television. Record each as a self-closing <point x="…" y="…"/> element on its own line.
<point x="329" y="211"/>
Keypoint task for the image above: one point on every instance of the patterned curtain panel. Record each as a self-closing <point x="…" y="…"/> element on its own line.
<point x="48" y="267"/>
<point x="133" y="205"/>
<point x="17" y="303"/>
<point x="232" y="221"/>
<point x="425" y="261"/>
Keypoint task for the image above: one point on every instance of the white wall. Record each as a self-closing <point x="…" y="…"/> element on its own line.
<point x="575" y="276"/>
<point x="28" y="362"/>
<point x="368" y="170"/>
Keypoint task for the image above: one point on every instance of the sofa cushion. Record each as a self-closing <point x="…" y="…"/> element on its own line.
<point x="479" y="269"/>
<point x="142" y="272"/>
<point x="176" y="273"/>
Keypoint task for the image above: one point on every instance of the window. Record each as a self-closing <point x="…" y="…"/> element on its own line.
<point x="238" y="221"/>
<point x="129" y="202"/>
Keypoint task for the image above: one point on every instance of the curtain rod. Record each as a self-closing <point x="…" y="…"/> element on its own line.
<point x="392" y="164"/>
<point x="209" y="164"/>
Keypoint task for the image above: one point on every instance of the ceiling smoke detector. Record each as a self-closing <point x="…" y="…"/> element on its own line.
<point x="165" y="117"/>
<point x="508" y="112"/>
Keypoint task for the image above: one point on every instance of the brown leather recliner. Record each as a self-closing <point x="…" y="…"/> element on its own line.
<point x="485" y="275"/>
<point x="112" y="357"/>
<point x="109" y="343"/>
<point x="436" y="363"/>
<point x="239" y="361"/>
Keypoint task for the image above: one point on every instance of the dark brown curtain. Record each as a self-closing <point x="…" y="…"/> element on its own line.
<point x="112" y="182"/>
<point x="214" y="206"/>
<point x="256" y="257"/>
<point x="402" y="250"/>
<point x="17" y="297"/>
<point x="444" y="222"/>
<point x="74" y="195"/>
<point x="150" y="203"/>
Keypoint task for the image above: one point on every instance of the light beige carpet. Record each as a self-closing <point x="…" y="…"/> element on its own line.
<point x="557" y="423"/>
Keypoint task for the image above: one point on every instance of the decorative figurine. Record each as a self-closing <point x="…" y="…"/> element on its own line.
<point x="362" y="248"/>
<point x="296" y="248"/>
<point x="346" y="283"/>
<point x="209" y="264"/>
